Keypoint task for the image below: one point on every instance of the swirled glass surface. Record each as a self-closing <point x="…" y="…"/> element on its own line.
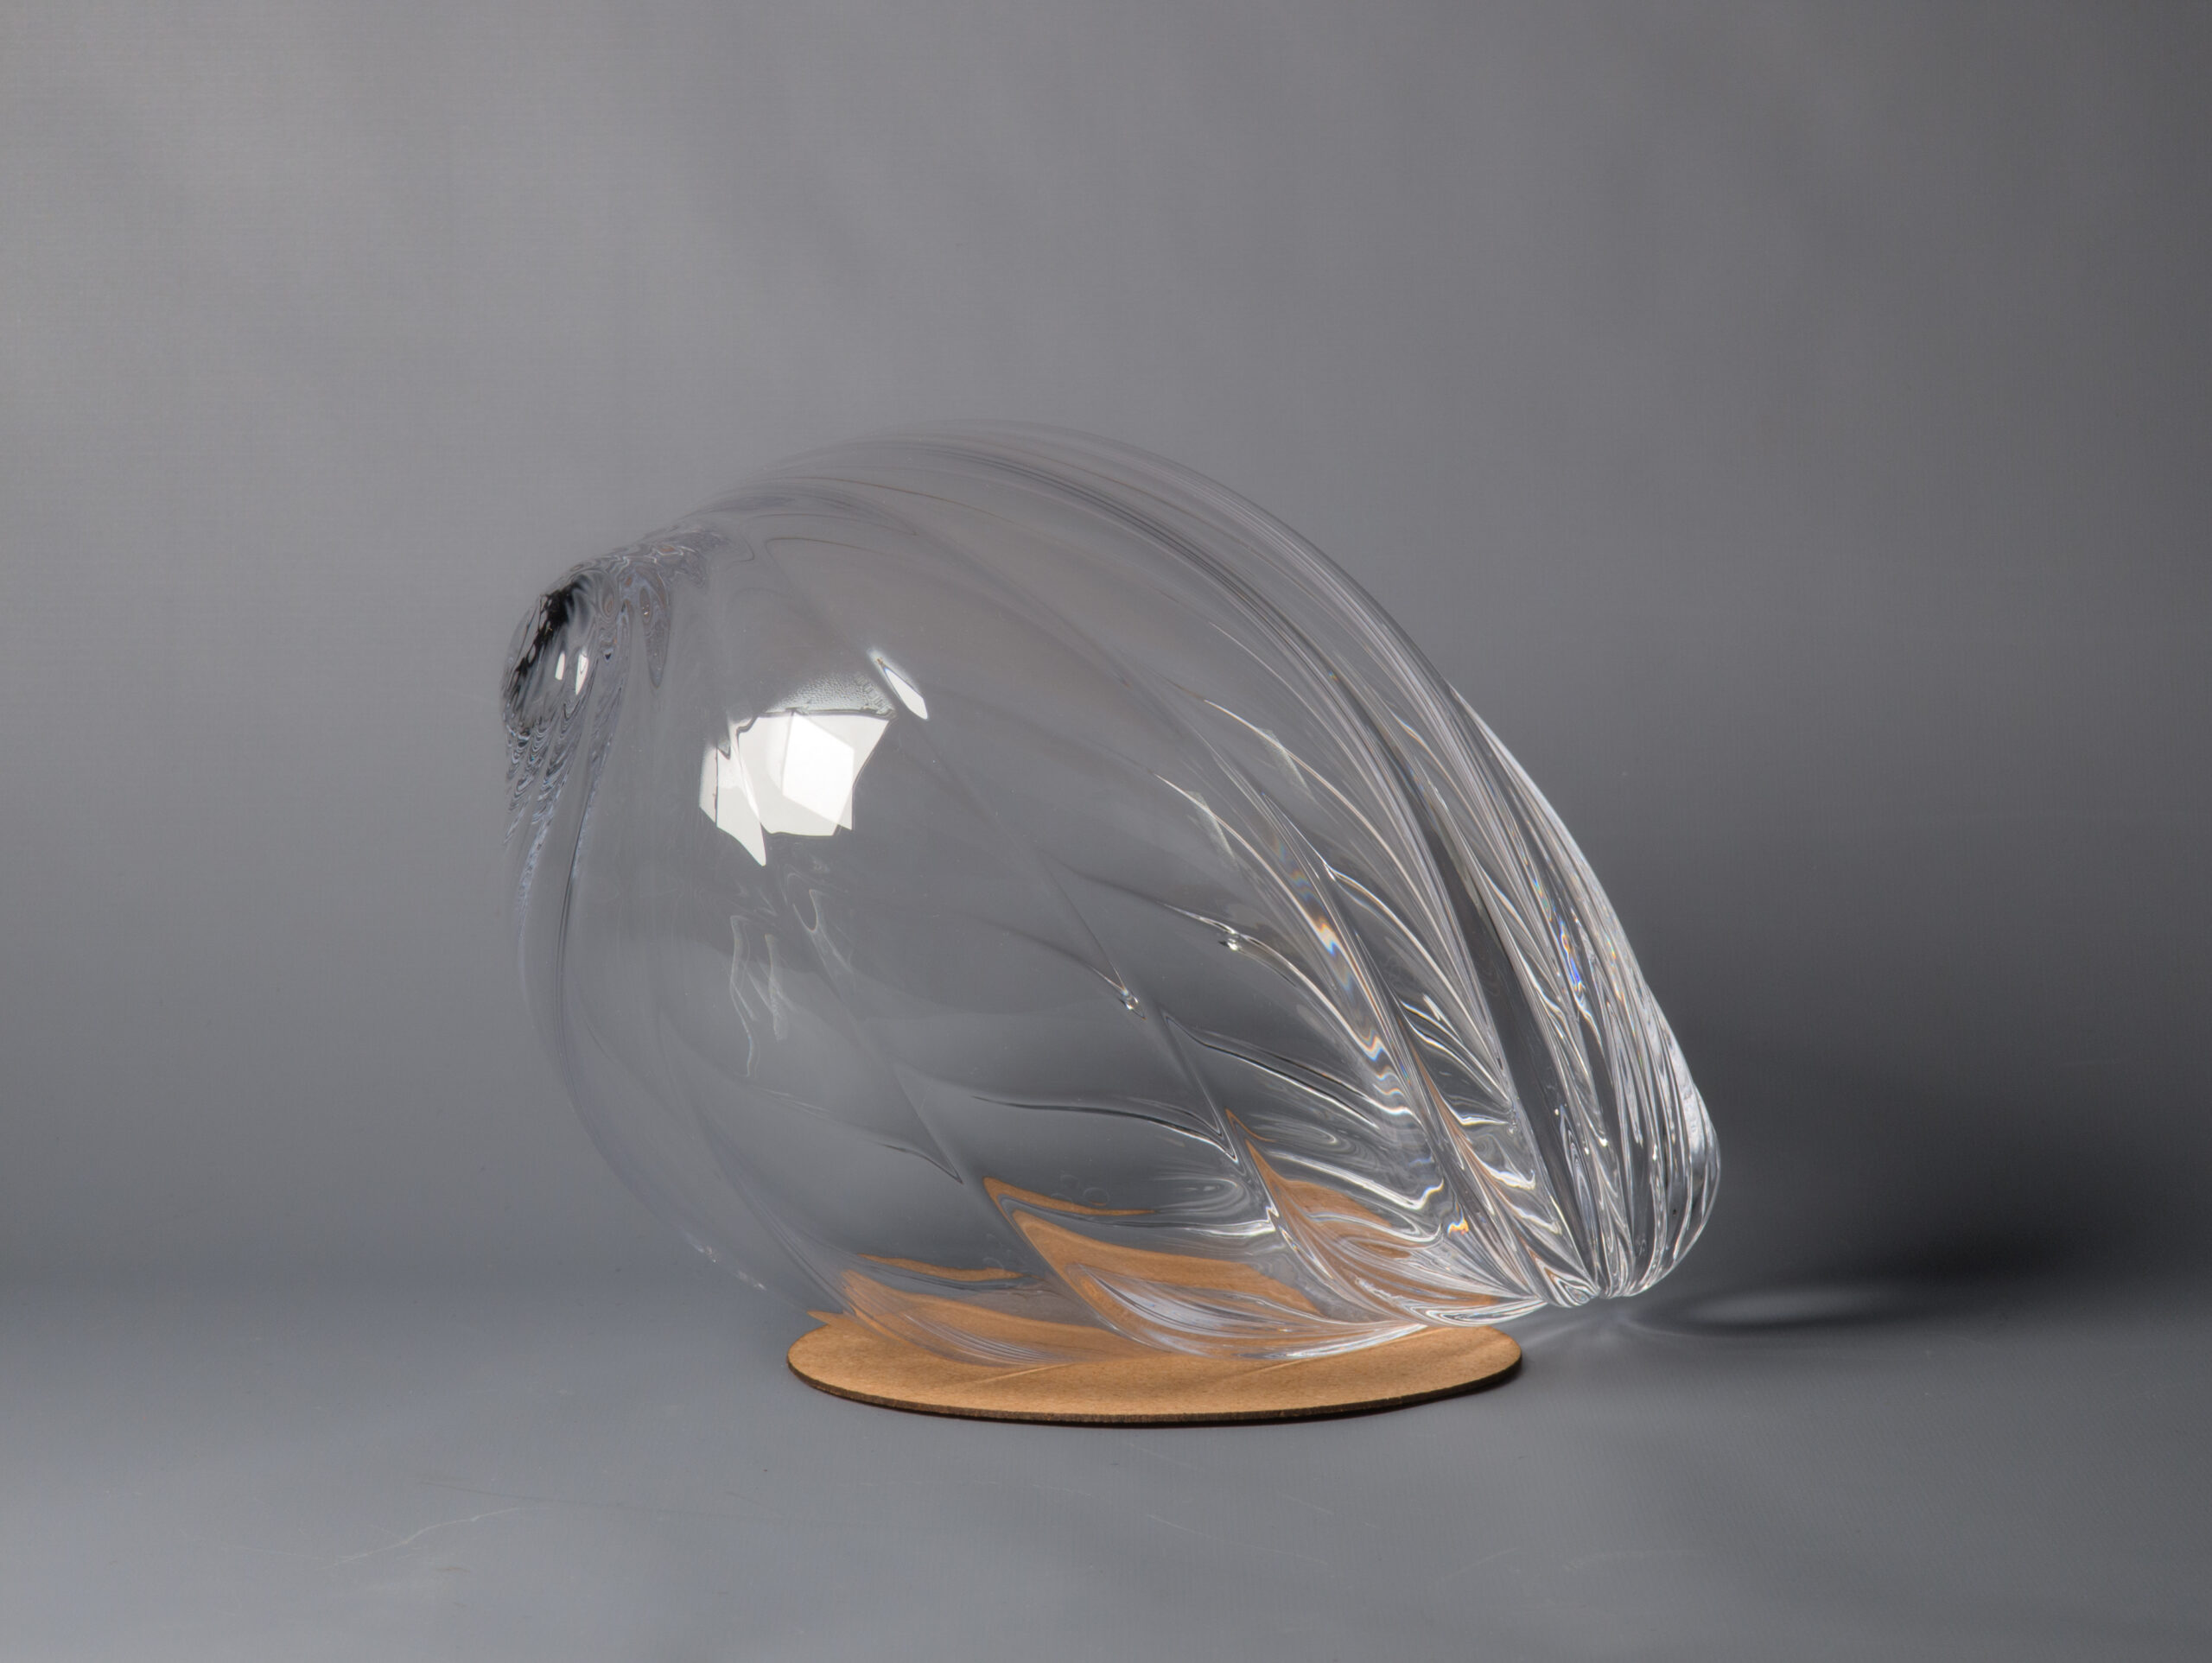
<point x="1008" y="888"/>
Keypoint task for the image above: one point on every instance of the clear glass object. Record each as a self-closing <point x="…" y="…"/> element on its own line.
<point x="1007" y="888"/>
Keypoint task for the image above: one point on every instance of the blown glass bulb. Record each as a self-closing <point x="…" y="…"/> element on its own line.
<point x="1011" y="889"/>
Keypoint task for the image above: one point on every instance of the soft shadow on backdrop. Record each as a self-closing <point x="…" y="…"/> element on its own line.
<point x="1787" y="425"/>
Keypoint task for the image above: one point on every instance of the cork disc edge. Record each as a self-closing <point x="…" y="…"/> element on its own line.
<point x="1152" y="1388"/>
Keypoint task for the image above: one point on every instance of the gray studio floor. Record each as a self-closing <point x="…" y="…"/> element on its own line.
<point x="623" y="1470"/>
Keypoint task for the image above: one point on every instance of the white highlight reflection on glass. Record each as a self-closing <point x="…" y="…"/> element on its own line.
<point x="909" y="695"/>
<point x="790" y="772"/>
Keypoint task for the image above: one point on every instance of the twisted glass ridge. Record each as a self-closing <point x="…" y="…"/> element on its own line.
<point x="1011" y="887"/>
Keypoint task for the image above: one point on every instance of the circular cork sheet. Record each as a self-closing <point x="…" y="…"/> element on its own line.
<point x="1157" y="1388"/>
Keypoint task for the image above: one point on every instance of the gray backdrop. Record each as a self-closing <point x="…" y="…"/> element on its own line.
<point x="1787" y="424"/>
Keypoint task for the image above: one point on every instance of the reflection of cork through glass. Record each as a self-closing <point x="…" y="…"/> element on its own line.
<point x="1010" y="890"/>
